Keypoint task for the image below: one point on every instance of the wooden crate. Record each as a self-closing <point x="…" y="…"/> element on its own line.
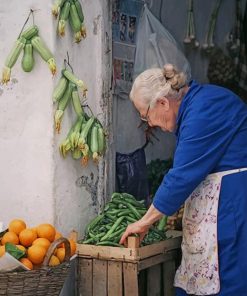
<point x="130" y="271"/>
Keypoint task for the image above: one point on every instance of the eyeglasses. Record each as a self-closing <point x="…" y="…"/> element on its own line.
<point x="145" y="118"/>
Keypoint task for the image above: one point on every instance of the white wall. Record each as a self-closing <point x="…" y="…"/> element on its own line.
<point x="36" y="183"/>
<point x="26" y="128"/>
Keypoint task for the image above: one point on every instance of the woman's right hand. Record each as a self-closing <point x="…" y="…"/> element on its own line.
<point x="142" y="226"/>
<point x="135" y="228"/>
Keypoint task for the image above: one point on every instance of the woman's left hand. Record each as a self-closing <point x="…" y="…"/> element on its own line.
<point x="135" y="228"/>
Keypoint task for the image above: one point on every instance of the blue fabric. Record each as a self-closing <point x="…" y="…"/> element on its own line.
<point x="180" y="292"/>
<point x="212" y="137"/>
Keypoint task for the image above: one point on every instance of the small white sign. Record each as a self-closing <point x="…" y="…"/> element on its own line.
<point x="9" y="263"/>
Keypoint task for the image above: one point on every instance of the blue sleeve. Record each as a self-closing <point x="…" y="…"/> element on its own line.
<point x="204" y="136"/>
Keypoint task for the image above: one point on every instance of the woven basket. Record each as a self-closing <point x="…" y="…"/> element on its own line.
<point x="46" y="281"/>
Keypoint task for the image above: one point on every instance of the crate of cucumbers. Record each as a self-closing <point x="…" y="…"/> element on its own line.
<point x="103" y="233"/>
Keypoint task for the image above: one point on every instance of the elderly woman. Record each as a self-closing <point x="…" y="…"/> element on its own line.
<point x="209" y="175"/>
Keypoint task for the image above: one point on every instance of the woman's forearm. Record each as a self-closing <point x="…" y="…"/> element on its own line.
<point x="151" y="216"/>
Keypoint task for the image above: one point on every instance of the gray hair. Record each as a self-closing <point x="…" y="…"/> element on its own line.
<point x="155" y="83"/>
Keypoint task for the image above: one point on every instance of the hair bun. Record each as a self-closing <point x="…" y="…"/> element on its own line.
<point x="178" y="81"/>
<point x="169" y="71"/>
<point x="174" y="78"/>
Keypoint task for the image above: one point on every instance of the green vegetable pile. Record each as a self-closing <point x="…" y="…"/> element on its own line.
<point x="107" y="228"/>
<point x="156" y="170"/>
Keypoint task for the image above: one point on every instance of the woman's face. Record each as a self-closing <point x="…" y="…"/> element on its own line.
<point x="163" y="114"/>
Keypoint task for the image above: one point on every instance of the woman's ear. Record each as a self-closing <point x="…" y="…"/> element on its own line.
<point x="164" y="103"/>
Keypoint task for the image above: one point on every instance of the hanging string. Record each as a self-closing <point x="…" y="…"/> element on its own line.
<point x="90" y="110"/>
<point x="68" y="63"/>
<point x="26" y="21"/>
<point x="32" y="16"/>
<point x="31" y="12"/>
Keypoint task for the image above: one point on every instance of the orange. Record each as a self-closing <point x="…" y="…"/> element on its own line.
<point x="72" y="246"/>
<point x="27" y="236"/>
<point x="34" y="229"/>
<point x="44" y="242"/>
<point x="2" y="250"/>
<point x="10" y="237"/>
<point x="60" y="253"/>
<point x="36" y="254"/>
<point x="27" y="263"/>
<point x="54" y="261"/>
<point x="57" y="235"/>
<point x="46" y="231"/>
<point x="22" y="248"/>
<point x="17" y="226"/>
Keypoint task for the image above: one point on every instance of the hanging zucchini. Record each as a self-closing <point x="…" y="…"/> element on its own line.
<point x="27" y="41"/>
<point x="62" y="104"/>
<point x="39" y="45"/>
<point x="70" y="10"/>
<point x="12" y="58"/>
<point x="27" y="62"/>
<point x="63" y="17"/>
<point x="60" y="88"/>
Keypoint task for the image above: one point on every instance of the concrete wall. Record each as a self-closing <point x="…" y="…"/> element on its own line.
<point x="26" y="123"/>
<point x="37" y="185"/>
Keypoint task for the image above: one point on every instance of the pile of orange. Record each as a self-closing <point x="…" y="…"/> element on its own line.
<point x="35" y="242"/>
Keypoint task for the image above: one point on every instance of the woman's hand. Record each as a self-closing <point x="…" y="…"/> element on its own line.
<point x="135" y="228"/>
<point x="142" y="226"/>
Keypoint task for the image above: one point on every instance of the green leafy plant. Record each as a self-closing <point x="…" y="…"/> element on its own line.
<point x="157" y="169"/>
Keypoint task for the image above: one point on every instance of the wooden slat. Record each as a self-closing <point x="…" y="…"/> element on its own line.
<point x="130" y="279"/>
<point x="168" y="278"/>
<point x="151" y="261"/>
<point x="115" y="278"/>
<point x="133" y="242"/>
<point x="162" y="247"/>
<point x="154" y="280"/>
<point x="105" y="252"/>
<point x="99" y="277"/>
<point x="85" y="281"/>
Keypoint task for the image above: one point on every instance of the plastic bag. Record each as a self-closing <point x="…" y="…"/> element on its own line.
<point x="131" y="171"/>
<point x="156" y="46"/>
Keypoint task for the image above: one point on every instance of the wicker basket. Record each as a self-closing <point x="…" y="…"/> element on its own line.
<point x="46" y="281"/>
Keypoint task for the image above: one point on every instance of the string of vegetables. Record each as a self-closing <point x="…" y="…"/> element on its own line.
<point x="234" y="36"/>
<point x="86" y="137"/>
<point x="190" y="37"/>
<point x="70" y="10"/>
<point x="28" y="41"/>
<point x="209" y="44"/>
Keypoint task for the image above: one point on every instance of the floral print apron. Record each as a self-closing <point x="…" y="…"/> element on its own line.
<point x="199" y="270"/>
